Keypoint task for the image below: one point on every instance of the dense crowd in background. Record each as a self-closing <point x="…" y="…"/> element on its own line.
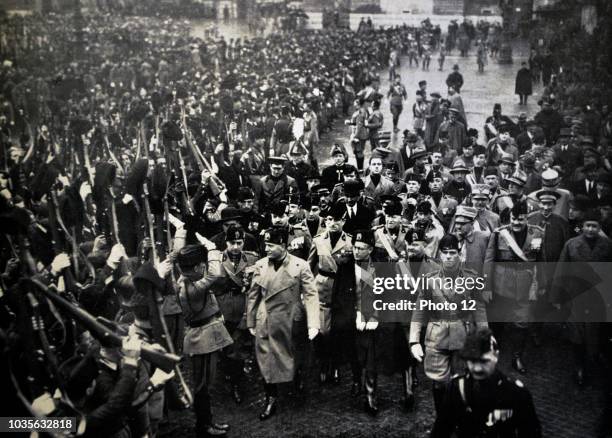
<point x="126" y="140"/>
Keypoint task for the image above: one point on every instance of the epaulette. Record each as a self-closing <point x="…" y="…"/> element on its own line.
<point x="251" y="253"/>
<point x="378" y="227"/>
<point x="299" y="227"/>
<point x="532" y="213"/>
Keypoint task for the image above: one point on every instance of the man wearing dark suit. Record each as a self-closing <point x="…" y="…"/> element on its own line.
<point x="567" y="155"/>
<point x="359" y="214"/>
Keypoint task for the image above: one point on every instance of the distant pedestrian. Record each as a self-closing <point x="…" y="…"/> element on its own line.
<point x="523" y="85"/>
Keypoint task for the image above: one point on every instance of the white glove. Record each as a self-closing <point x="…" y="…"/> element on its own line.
<point x="312" y="333"/>
<point x="163" y="268"/>
<point x="159" y="378"/>
<point x="43" y="405"/>
<point x="204" y="241"/>
<point x="252" y="331"/>
<point x="175" y="221"/>
<point x="85" y="191"/>
<point x="359" y="322"/>
<point x="60" y="262"/>
<point x="371" y="325"/>
<point x="116" y="254"/>
<point x="417" y="352"/>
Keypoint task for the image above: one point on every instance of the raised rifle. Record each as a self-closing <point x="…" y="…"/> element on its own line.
<point x="107" y="337"/>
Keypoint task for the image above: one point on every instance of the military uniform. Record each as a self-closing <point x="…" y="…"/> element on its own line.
<point x="446" y="330"/>
<point x="272" y="189"/>
<point x="299" y="240"/>
<point x="281" y="305"/>
<point x="389" y="245"/>
<point x="230" y="293"/>
<point x="324" y="261"/>
<point x="205" y="333"/>
<point x="468" y="404"/>
<point x="444" y="210"/>
<point x="510" y="268"/>
<point x="511" y="274"/>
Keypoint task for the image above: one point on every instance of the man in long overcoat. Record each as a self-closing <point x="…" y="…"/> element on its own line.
<point x="522" y="85"/>
<point x="282" y="311"/>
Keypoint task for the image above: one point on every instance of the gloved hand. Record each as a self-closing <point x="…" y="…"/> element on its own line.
<point x="207" y="243"/>
<point x="160" y="377"/>
<point x="60" y="262"/>
<point x="371" y="325"/>
<point x="252" y="331"/>
<point x="417" y="352"/>
<point x="131" y="350"/>
<point x="163" y="268"/>
<point x="116" y="254"/>
<point x="359" y="322"/>
<point x="312" y="333"/>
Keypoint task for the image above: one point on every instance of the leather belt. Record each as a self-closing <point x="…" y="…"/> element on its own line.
<point x="327" y="274"/>
<point x="202" y="322"/>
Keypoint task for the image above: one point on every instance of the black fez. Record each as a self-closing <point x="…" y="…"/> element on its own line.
<point x="234" y="233"/>
<point x="191" y="255"/>
<point x="519" y="208"/>
<point x="337" y="211"/>
<point x="490" y="171"/>
<point x="580" y="202"/>
<point x="433" y="175"/>
<point x="352" y="188"/>
<point x="278" y="208"/>
<point x="364" y="236"/>
<point x="415" y="235"/>
<point x="391" y="205"/>
<point x="449" y="242"/>
<point x="591" y="216"/>
<point x="413" y="177"/>
<point x="424" y="207"/>
<point x="477" y="343"/>
<point x="230" y="214"/>
<point x="244" y="193"/>
<point x="277" y="235"/>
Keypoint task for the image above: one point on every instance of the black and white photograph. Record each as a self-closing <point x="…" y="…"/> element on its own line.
<point x="308" y="218"/>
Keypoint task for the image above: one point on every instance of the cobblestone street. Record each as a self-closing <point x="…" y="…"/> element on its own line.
<point x="565" y="410"/>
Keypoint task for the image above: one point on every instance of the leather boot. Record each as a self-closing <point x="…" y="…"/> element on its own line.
<point x="370" y="404"/>
<point x="439" y="390"/>
<point x="408" y="400"/>
<point x="270" y="408"/>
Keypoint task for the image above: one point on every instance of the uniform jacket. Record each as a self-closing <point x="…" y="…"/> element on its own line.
<point x="465" y="411"/>
<point x="506" y="273"/>
<point x="281" y="305"/>
<point x="268" y="190"/>
<point x="384" y="187"/>
<point x="446" y="330"/>
<point x="561" y="206"/>
<point x="200" y="306"/>
<point x="486" y="221"/>
<point x="230" y="291"/>
<point x="474" y="249"/>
